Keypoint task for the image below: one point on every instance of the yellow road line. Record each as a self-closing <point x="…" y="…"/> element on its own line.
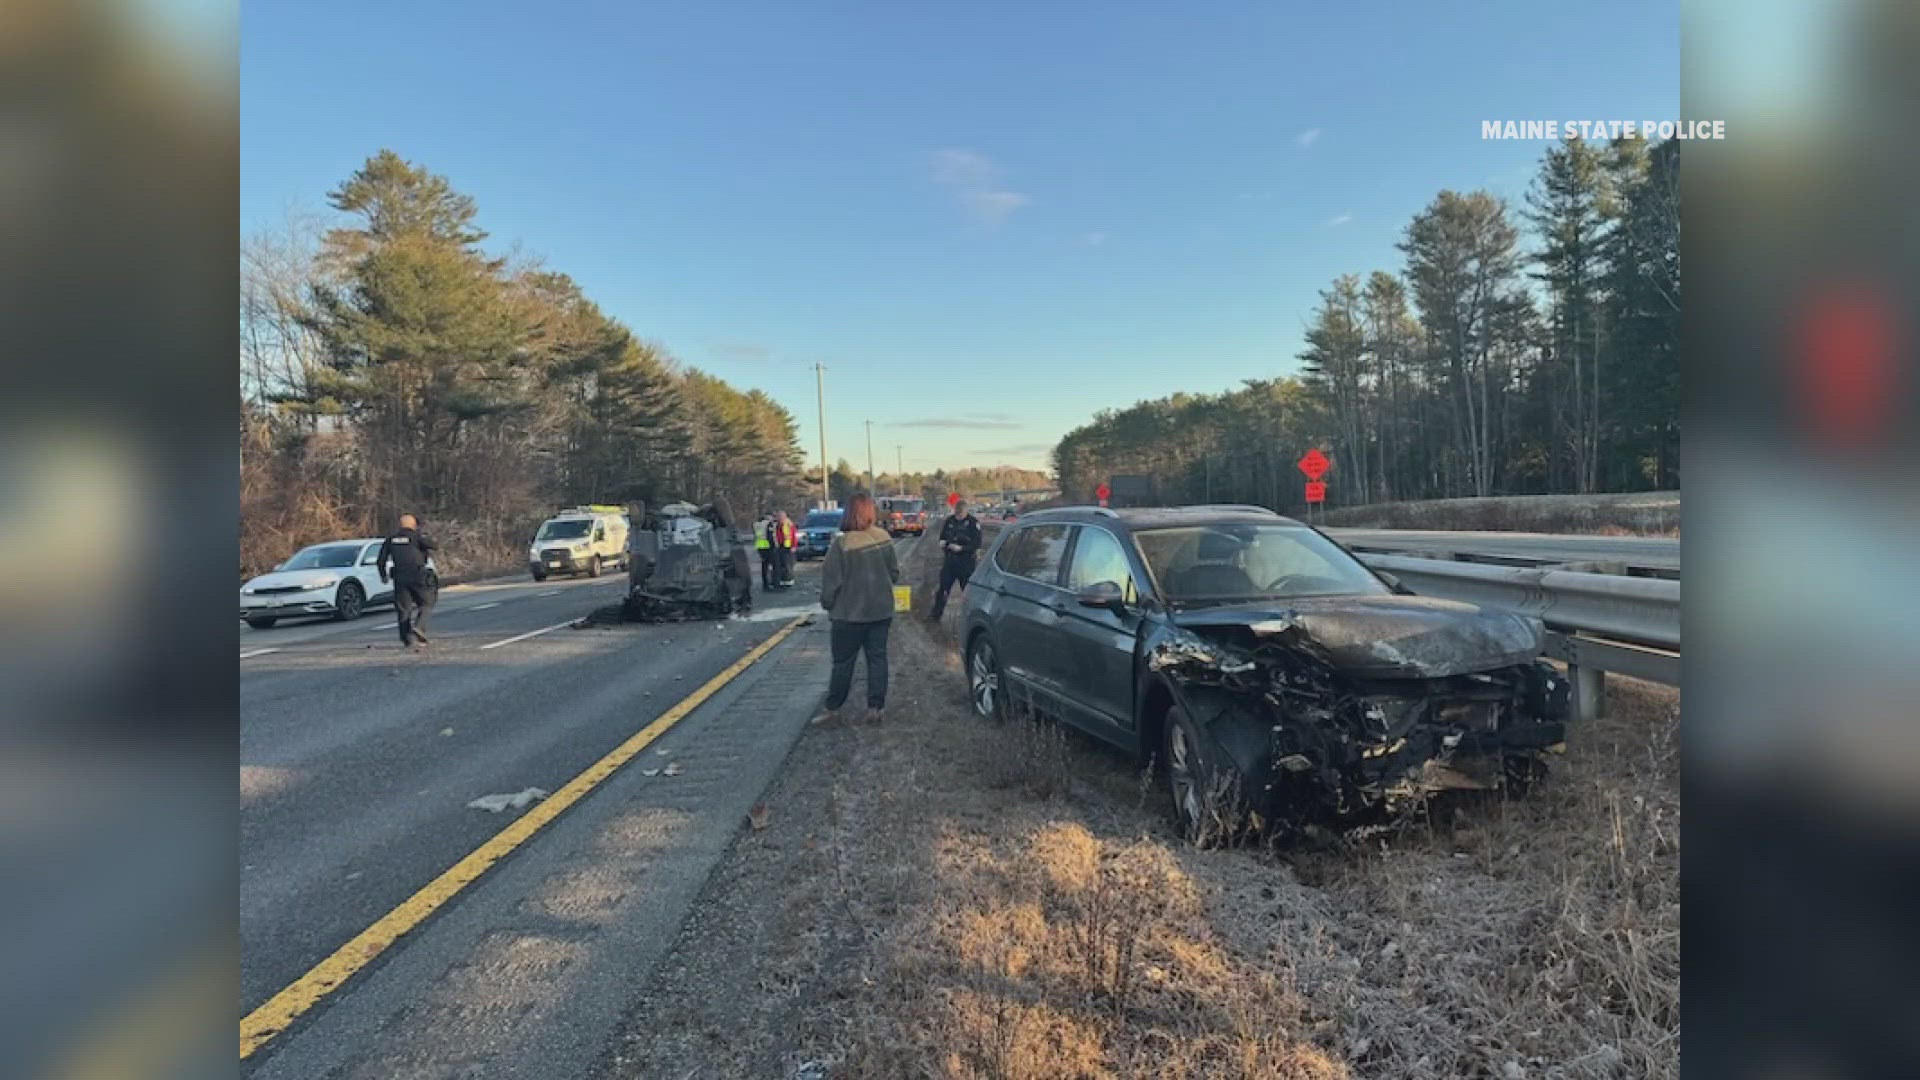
<point x="276" y="1013"/>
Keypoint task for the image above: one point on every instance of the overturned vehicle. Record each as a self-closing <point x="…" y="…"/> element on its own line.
<point x="688" y="562"/>
<point x="1278" y="680"/>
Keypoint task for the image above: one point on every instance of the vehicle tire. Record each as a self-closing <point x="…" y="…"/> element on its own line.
<point x="349" y="602"/>
<point x="985" y="681"/>
<point x="262" y="622"/>
<point x="593" y="566"/>
<point x="539" y="573"/>
<point x="1201" y="799"/>
<point x="431" y="581"/>
<point x="1520" y="773"/>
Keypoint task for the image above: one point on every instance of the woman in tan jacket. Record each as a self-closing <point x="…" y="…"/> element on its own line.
<point x="856" y="588"/>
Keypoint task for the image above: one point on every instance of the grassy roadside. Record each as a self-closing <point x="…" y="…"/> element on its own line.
<point x="937" y="896"/>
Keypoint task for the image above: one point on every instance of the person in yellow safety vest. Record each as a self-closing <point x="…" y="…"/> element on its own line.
<point x="765" y="547"/>
<point x="784" y="538"/>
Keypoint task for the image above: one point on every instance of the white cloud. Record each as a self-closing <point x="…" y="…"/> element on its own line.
<point x="1308" y="137"/>
<point x="993" y="207"/>
<point x="1338" y="220"/>
<point x="964" y="168"/>
<point x="975" y="181"/>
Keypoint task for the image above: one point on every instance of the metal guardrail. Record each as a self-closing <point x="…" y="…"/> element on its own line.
<point x="1596" y="622"/>
<point x="1468" y="553"/>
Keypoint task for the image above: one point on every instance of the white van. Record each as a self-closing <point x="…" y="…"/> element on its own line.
<point x="579" y="540"/>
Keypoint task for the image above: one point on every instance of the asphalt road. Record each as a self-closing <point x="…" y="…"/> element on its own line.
<point x="1647" y="551"/>
<point x="359" y="759"/>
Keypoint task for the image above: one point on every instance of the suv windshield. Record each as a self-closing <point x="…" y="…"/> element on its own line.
<point x="1230" y="562"/>
<point x="907" y="506"/>
<point x="571" y="529"/>
<point x="823" y="519"/>
<point x="323" y="557"/>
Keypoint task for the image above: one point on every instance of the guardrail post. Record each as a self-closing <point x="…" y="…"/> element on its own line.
<point x="1589" y="691"/>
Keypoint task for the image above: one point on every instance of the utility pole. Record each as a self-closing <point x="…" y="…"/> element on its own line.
<point x="869" y="457"/>
<point x="820" y="395"/>
<point x="899" y="470"/>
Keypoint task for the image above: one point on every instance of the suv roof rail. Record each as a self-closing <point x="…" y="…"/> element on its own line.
<point x="1239" y="506"/>
<point x="1104" y="511"/>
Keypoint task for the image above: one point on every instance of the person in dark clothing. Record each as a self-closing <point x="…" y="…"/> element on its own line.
<point x="763" y="542"/>
<point x="959" y="546"/>
<point x="403" y="561"/>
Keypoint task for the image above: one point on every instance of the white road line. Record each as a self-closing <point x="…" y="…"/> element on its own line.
<point x="256" y="652"/>
<point x="482" y="607"/>
<point x="549" y="592"/>
<point x="385" y="626"/>
<point x="528" y="634"/>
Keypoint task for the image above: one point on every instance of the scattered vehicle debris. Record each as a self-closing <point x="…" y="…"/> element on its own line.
<point x="518" y="800"/>
<point x="688" y="562"/>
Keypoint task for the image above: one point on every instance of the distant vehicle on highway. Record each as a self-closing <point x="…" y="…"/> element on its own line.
<point x="1267" y="670"/>
<point x="337" y="579"/>
<point x="816" y="533"/>
<point x="580" y="540"/>
<point x="903" y="516"/>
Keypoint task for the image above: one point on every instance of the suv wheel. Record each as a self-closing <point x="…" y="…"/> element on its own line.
<point x="1206" y="798"/>
<point x="262" y="622"/>
<point x="349" y="601"/>
<point x="984" y="682"/>
<point x="593" y="566"/>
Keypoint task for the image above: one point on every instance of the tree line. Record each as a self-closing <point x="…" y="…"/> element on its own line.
<point x="1483" y="366"/>
<point x="843" y="480"/>
<point x="393" y="364"/>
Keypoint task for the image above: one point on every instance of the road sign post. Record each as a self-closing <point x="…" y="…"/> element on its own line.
<point x="1315" y="464"/>
<point x="1102" y="492"/>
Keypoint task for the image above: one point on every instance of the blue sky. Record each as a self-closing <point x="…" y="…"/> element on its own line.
<point x="988" y="219"/>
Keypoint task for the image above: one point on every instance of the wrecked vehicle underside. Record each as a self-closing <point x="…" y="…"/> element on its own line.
<point x="1344" y="711"/>
<point x="688" y="563"/>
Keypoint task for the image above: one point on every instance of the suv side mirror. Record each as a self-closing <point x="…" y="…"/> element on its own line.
<point x="1103" y="594"/>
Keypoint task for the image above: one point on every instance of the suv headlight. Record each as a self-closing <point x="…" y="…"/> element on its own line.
<point x="323" y="583"/>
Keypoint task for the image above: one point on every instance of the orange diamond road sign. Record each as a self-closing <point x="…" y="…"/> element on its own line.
<point x="1316" y="491"/>
<point x="1314" y="464"/>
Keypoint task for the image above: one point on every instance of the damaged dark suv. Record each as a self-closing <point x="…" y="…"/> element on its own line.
<point x="1279" y="680"/>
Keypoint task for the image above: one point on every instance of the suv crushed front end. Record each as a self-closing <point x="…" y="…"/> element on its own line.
<point x="1346" y="711"/>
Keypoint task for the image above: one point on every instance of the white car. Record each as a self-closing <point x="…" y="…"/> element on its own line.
<point x="337" y="578"/>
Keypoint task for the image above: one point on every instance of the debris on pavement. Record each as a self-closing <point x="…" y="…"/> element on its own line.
<point x="757" y="817"/>
<point x="518" y="800"/>
<point x="672" y="769"/>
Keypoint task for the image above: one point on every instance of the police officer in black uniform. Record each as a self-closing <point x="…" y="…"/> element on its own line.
<point x="403" y="560"/>
<point x="960" y="544"/>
